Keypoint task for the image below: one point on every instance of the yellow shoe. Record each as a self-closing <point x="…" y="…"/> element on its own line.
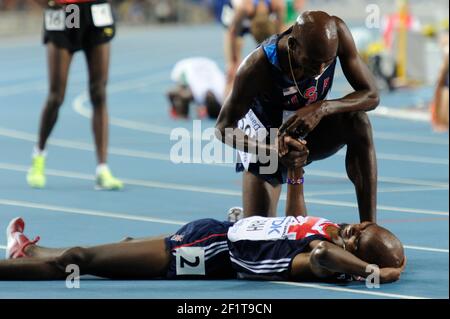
<point x="36" y="176"/>
<point x="105" y="181"/>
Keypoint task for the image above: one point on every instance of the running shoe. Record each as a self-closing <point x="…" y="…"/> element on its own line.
<point x="36" y="177"/>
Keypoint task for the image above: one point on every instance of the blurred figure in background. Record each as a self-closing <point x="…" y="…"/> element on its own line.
<point x="90" y="33"/>
<point x="198" y="80"/>
<point x="293" y="10"/>
<point x="439" y="105"/>
<point x="261" y="18"/>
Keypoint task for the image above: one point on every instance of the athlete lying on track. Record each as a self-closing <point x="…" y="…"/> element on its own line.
<point x="295" y="248"/>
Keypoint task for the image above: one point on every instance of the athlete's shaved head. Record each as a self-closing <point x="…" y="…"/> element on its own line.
<point x="379" y="246"/>
<point x="373" y="244"/>
<point x="314" y="40"/>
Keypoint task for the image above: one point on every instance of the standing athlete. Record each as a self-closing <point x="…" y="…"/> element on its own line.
<point x="260" y="18"/>
<point x="283" y="85"/>
<point x="71" y="26"/>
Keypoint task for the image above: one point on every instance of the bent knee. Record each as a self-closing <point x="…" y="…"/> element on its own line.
<point x="359" y="129"/>
<point x="55" y="99"/>
<point x="73" y="256"/>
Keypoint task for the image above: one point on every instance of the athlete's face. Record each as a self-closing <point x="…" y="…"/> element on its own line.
<point x="352" y="235"/>
<point x="310" y="64"/>
<point x="314" y="48"/>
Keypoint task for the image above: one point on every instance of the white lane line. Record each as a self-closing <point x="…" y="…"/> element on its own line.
<point x="97" y="213"/>
<point x="79" y="106"/>
<point x="384" y="179"/>
<point x="380" y="190"/>
<point x="437" y="250"/>
<point x="379" y="207"/>
<point x="340" y="289"/>
<point x="401" y="114"/>
<point x="409" y="138"/>
<point x="89" y="212"/>
<point x="164" y="157"/>
<point x="216" y="191"/>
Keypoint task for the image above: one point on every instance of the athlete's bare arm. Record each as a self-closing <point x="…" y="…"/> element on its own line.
<point x="251" y="79"/>
<point x="295" y="200"/>
<point x="326" y="259"/>
<point x="364" y="98"/>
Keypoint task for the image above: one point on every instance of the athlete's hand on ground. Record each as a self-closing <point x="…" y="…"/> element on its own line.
<point x="293" y="153"/>
<point x="392" y="274"/>
<point x="303" y="121"/>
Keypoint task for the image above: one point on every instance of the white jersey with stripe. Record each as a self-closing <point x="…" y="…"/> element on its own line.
<point x="201" y="75"/>
<point x="262" y="247"/>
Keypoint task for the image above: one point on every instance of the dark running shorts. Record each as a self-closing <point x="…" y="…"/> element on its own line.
<point x="279" y="177"/>
<point x="96" y="25"/>
<point x="200" y="250"/>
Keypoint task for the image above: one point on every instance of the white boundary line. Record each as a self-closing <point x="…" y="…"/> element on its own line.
<point x="401" y="114"/>
<point x="411" y="139"/>
<point x="98" y="213"/>
<point x="437" y="250"/>
<point x="340" y="289"/>
<point x="380" y="190"/>
<point x="78" y="106"/>
<point x="89" y="212"/>
<point x="216" y="191"/>
<point x="337" y="289"/>
<point x="158" y="156"/>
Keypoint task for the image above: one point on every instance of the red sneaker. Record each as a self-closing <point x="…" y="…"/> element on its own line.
<point x="16" y="240"/>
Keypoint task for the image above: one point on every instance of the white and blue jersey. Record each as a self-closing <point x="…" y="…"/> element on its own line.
<point x="252" y="248"/>
<point x="272" y="107"/>
<point x="264" y="248"/>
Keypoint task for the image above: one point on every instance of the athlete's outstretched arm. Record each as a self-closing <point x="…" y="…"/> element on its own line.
<point x="326" y="259"/>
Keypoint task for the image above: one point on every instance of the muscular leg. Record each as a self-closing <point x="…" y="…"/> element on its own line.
<point x="129" y="260"/>
<point x="45" y="252"/>
<point x="98" y="64"/>
<point x="361" y="165"/>
<point x="58" y="63"/>
<point x="259" y="197"/>
<point x="354" y="130"/>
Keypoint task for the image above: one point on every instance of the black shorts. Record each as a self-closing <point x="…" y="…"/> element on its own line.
<point x="275" y="179"/>
<point x="75" y="36"/>
<point x="199" y="250"/>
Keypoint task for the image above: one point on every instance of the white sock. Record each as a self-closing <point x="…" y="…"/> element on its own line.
<point x="38" y="152"/>
<point x="101" y="168"/>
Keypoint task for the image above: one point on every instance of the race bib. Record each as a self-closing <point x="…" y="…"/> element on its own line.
<point x="54" y="20"/>
<point x="260" y="228"/>
<point x="190" y="261"/>
<point x="252" y="127"/>
<point x="102" y="14"/>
